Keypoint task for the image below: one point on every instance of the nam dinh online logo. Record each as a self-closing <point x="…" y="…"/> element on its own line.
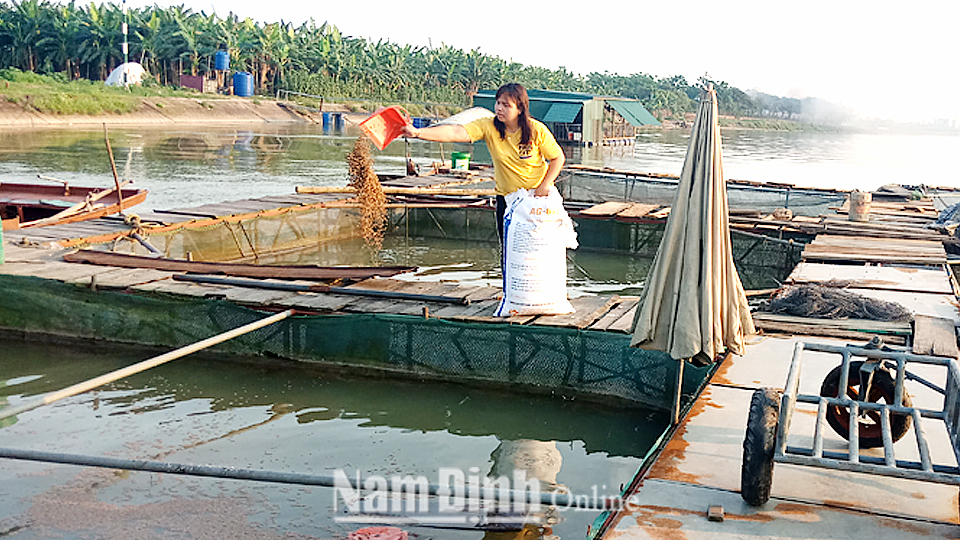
<point x="458" y="498"/>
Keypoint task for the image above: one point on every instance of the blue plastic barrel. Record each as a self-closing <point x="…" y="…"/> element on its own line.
<point x="242" y="84"/>
<point x="327" y="118"/>
<point x="221" y="61"/>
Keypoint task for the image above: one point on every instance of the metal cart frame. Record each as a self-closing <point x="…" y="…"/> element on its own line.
<point x="771" y="414"/>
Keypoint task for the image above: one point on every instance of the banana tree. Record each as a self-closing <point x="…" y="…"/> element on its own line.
<point x="22" y="30"/>
<point x="99" y="39"/>
<point x="146" y="29"/>
<point x="58" y="45"/>
<point x="275" y="43"/>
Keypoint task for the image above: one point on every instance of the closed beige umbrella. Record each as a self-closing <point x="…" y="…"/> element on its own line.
<point x="693" y="305"/>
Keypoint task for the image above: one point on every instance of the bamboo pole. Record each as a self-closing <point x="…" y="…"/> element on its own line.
<point x="66" y="184"/>
<point x="113" y="166"/>
<point x="350" y="204"/>
<point x="401" y="191"/>
<point x="141" y="366"/>
<point x="373" y="293"/>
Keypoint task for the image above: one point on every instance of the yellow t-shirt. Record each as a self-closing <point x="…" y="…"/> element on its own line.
<point x="511" y="170"/>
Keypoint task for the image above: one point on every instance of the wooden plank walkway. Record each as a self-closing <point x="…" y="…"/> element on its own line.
<point x="604" y="313"/>
<point x="894" y="278"/>
<point x="451" y="178"/>
<point x="826" y="247"/>
<point x="626" y="211"/>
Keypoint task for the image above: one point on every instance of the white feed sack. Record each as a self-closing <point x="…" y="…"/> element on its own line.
<point x="536" y="234"/>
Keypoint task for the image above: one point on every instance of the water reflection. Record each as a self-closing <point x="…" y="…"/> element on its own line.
<point x="540" y="462"/>
<point x="282" y="416"/>
<point x="317" y="396"/>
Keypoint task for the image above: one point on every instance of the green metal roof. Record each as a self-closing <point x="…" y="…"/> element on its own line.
<point x="634" y="112"/>
<point x="563" y="107"/>
<point x="563" y="112"/>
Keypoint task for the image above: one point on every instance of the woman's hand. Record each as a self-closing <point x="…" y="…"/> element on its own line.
<point x="553" y="170"/>
<point x="410" y="131"/>
<point x="543" y="189"/>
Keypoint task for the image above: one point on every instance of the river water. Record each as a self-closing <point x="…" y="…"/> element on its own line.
<point x="201" y="164"/>
<point x="285" y="418"/>
<point x="275" y="416"/>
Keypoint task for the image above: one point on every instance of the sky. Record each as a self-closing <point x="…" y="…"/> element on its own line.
<point x="880" y="59"/>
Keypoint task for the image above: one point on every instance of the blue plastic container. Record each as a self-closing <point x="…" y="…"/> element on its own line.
<point x="421" y="122"/>
<point x="242" y="84"/>
<point x="327" y="118"/>
<point x="221" y="61"/>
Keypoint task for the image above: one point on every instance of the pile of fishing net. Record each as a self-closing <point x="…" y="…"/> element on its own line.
<point x="947" y="220"/>
<point x="823" y="302"/>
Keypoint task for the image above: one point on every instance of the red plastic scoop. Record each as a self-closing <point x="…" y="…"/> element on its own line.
<point x="385" y="125"/>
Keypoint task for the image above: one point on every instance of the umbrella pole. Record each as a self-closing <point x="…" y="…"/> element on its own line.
<point x="676" y="402"/>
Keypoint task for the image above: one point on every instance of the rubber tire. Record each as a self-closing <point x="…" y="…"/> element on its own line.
<point x="756" y="469"/>
<point x="871" y="435"/>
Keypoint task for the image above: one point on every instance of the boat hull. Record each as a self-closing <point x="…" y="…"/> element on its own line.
<point x="24" y="206"/>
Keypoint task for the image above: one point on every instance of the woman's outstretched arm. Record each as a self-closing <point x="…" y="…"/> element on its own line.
<point x="444" y="133"/>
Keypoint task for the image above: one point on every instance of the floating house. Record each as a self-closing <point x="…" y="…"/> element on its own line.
<point x="582" y="119"/>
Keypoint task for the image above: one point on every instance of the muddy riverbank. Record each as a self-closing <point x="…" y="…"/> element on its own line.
<point x="159" y="111"/>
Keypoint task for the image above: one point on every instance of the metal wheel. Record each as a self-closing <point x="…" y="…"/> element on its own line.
<point x="882" y="389"/>
<point x="756" y="470"/>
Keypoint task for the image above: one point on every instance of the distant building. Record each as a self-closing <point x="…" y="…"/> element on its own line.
<point x="582" y="119"/>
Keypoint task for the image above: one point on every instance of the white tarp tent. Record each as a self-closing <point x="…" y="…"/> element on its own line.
<point x="126" y="74"/>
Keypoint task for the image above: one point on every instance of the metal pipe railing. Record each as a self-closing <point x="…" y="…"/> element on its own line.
<point x="469" y="492"/>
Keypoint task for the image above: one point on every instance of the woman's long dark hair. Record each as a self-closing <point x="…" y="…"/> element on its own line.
<point x="518" y="94"/>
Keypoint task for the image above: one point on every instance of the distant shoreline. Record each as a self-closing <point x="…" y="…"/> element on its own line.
<point x="168" y="111"/>
<point x="206" y="109"/>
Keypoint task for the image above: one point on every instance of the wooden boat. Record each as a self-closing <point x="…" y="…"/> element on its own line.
<point x="352" y="273"/>
<point x="35" y="205"/>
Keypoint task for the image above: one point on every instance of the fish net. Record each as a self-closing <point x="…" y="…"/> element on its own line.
<point x="824" y="302"/>
<point x="582" y="364"/>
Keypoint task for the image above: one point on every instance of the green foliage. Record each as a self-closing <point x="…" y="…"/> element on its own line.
<point x="28" y="77"/>
<point x="57" y="95"/>
<point x="90" y="104"/>
<point x="73" y="41"/>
